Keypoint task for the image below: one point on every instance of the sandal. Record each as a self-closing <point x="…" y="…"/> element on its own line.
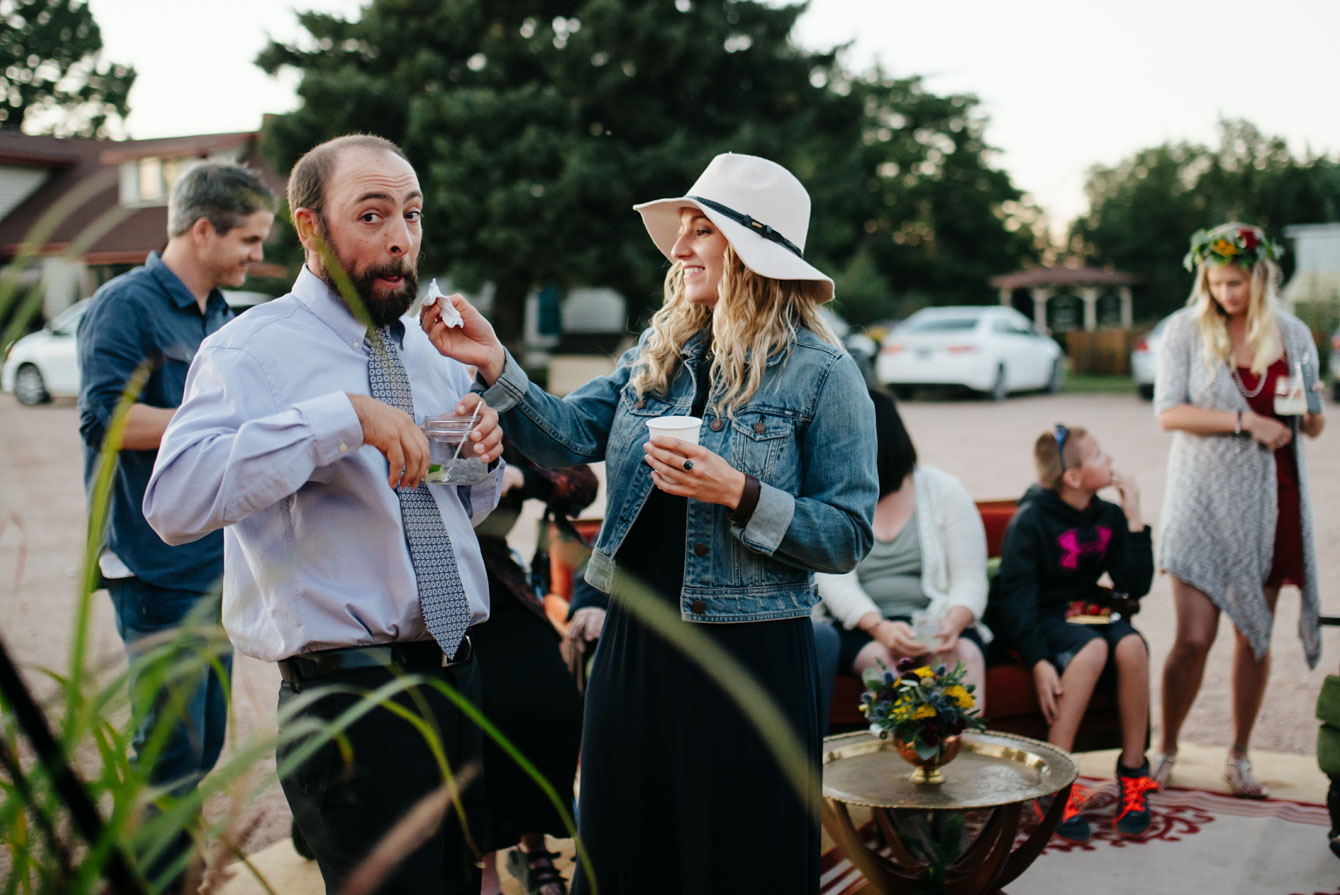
<point x="1161" y="768"/>
<point x="536" y="872"/>
<point x="1241" y="781"/>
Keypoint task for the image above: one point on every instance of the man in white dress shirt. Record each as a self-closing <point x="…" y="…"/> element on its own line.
<point x="299" y="437"/>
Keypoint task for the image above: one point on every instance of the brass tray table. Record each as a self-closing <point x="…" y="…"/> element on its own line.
<point x="995" y="772"/>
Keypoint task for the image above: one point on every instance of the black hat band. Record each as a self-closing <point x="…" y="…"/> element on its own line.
<point x="758" y="227"/>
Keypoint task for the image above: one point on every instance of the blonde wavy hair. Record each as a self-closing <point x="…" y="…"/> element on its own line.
<point x="755" y="317"/>
<point x="1262" y="327"/>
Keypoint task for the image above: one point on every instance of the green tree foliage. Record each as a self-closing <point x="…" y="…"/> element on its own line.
<point x="50" y="51"/>
<point x="536" y="125"/>
<point x="1143" y="210"/>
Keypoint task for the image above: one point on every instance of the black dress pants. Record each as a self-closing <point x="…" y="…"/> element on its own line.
<point x="345" y="804"/>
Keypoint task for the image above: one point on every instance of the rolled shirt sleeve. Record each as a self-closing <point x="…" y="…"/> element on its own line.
<point x="109" y="354"/>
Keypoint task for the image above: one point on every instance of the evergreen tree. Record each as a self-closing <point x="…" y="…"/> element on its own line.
<point x="535" y="125"/>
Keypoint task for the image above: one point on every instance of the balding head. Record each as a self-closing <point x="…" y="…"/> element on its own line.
<point x="310" y="176"/>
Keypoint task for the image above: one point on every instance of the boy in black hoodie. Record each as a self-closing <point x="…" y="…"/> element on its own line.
<point x="1059" y="543"/>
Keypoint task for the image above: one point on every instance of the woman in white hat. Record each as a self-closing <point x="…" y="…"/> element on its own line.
<point x="679" y="793"/>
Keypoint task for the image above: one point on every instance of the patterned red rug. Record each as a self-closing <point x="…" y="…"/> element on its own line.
<point x="1200" y="842"/>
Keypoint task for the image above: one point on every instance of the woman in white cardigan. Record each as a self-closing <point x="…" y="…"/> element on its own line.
<point x="929" y="559"/>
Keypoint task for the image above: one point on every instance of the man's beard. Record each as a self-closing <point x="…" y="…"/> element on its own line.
<point x="386" y="308"/>
<point x="383" y="309"/>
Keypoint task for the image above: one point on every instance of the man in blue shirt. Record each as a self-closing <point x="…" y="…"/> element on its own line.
<point x="299" y="437"/>
<point x="153" y="319"/>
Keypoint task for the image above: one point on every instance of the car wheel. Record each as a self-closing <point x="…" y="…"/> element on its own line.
<point x="1057" y="379"/>
<point x="29" y="387"/>
<point x="999" y="390"/>
<point x="1146" y="391"/>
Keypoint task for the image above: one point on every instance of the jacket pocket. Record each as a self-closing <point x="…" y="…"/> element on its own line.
<point x="763" y="445"/>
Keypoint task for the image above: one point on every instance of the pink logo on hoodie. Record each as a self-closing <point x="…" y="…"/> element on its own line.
<point x="1070" y="543"/>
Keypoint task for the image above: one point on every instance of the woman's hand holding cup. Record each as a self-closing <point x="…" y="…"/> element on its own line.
<point x="1266" y="431"/>
<point x="686" y="469"/>
<point x="899" y="639"/>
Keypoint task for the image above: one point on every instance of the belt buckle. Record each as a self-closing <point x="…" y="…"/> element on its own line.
<point x="459" y="659"/>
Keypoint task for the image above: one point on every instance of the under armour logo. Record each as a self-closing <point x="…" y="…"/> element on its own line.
<point x="1070" y="543"/>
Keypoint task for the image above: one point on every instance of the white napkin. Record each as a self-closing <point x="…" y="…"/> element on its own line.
<point x="450" y="316"/>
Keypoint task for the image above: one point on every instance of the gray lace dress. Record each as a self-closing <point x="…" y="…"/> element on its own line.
<point x="1216" y="532"/>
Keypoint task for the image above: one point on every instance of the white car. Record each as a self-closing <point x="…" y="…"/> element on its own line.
<point x="993" y="349"/>
<point x="44" y="365"/>
<point x="1145" y="359"/>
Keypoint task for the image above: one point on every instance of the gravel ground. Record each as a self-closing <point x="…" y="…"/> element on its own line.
<point x="987" y="445"/>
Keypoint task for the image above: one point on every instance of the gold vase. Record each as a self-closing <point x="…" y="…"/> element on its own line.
<point x="928" y="769"/>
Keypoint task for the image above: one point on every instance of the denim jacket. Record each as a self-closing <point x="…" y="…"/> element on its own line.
<point x="808" y="435"/>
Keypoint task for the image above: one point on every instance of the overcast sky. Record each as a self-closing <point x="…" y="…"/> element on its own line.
<point x="1066" y="83"/>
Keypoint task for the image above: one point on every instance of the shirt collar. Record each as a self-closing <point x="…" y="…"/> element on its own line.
<point x="327" y="305"/>
<point x="173" y="285"/>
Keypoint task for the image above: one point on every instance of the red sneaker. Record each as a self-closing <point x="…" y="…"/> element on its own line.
<point x="1133" y="817"/>
<point x="1073" y="827"/>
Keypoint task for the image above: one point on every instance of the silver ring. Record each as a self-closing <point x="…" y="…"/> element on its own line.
<point x="687" y="464"/>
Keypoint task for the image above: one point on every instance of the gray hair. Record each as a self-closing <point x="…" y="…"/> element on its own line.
<point x="223" y="193"/>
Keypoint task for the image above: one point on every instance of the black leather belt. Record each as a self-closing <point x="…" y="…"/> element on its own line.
<point x="412" y="656"/>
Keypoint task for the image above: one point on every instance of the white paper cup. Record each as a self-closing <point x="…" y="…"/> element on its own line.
<point x="682" y="427"/>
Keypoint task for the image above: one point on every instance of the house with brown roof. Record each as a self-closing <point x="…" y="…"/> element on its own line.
<point x="75" y="212"/>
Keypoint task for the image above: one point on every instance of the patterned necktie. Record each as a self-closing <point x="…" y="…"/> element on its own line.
<point x="441" y="596"/>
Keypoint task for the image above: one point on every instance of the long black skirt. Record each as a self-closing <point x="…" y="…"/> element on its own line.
<point x="531" y="696"/>
<point x="678" y="793"/>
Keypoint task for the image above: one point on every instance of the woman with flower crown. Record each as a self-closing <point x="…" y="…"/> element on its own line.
<point x="1237" y="522"/>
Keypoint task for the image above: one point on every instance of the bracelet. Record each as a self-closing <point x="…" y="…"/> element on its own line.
<point x="1237" y="424"/>
<point x="748" y="501"/>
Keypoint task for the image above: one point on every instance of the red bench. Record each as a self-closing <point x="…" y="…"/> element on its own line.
<point x="1011" y="702"/>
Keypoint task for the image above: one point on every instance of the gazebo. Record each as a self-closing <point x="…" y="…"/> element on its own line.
<point x="1089" y="283"/>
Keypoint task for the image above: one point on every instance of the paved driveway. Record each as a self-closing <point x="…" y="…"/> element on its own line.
<point x="987" y="445"/>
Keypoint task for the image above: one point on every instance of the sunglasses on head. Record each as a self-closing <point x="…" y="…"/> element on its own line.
<point x="1060" y="433"/>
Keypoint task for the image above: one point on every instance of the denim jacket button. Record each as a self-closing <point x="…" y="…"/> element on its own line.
<point x="698" y="607"/>
<point x="641" y="402"/>
<point x="715" y="425"/>
<point x="700" y="549"/>
<point x="759" y="427"/>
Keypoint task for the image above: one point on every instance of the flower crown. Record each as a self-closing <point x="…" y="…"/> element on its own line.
<point x="1243" y="245"/>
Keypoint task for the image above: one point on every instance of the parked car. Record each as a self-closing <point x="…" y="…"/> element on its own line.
<point x="860" y="346"/>
<point x="1335" y="365"/>
<point x="1145" y="360"/>
<point x="44" y="365"/>
<point x="994" y="350"/>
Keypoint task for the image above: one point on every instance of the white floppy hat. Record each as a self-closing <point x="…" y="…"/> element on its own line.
<point x="757" y="204"/>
